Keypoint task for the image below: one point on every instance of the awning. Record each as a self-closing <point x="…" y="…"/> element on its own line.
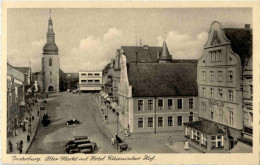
<point x="114" y="105"/>
<point x="242" y="148"/>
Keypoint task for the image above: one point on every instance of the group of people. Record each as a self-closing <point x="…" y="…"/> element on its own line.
<point x="19" y="146"/>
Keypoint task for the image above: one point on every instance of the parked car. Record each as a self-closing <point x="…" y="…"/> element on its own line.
<point x="42" y="107"/>
<point x="73" y="122"/>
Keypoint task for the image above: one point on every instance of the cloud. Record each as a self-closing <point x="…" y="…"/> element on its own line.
<point x="20" y="59"/>
<point x="93" y="53"/>
<point x="183" y="46"/>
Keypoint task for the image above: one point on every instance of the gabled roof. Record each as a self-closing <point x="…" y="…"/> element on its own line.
<point x="205" y="126"/>
<point x="241" y="42"/>
<point x="144" y="53"/>
<point x="163" y="79"/>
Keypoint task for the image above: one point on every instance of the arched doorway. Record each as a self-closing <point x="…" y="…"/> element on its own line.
<point x="50" y="89"/>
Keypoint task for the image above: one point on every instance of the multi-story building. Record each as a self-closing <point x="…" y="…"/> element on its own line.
<point x="90" y="81"/>
<point x="219" y="75"/>
<point x="156" y="97"/>
<point x="247" y="134"/>
<point x="37" y="78"/>
<point x="15" y="97"/>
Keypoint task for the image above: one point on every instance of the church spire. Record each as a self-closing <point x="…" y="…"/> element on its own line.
<point x="165" y="55"/>
<point x="50" y="47"/>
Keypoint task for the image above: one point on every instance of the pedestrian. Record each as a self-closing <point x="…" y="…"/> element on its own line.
<point x="186" y="145"/>
<point x="28" y="138"/>
<point x="30" y="119"/>
<point x="38" y="113"/>
<point x="18" y="144"/>
<point x="33" y="118"/>
<point x="20" y="150"/>
<point x="16" y="132"/>
<point x="29" y="128"/>
<point x="24" y="128"/>
<point x="10" y="146"/>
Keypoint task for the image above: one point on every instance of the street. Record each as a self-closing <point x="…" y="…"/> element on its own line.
<point x="66" y="106"/>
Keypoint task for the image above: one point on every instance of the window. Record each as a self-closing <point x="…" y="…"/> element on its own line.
<point x="211" y="92"/>
<point x="170" y="123"/>
<point x="50" y="73"/>
<point x="160" y="121"/>
<point x="140" y="122"/>
<point x="83" y="74"/>
<point x="150" y="122"/>
<point x="230" y="76"/>
<point x="216" y="141"/>
<point x="251" y="91"/>
<point x="203" y="75"/>
<point x="90" y="81"/>
<point x="179" y="120"/>
<point x="50" y="80"/>
<point x="190" y="118"/>
<point x="212" y="57"/>
<point x="170" y="104"/>
<point x="187" y="131"/>
<point x="150" y="104"/>
<point x="204" y="139"/>
<point x="216" y="56"/>
<point x="83" y="81"/>
<point x="140" y="105"/>
<point x="96" y="81"/>
<point x="211" y="75"/>
<point x="220" y="115"/>
<point x="220" y="76"/>
<point x="179" y="103"/>
<point x="212" y="113"/>
<point x="230" y="96"/>
<point x="196" y="136"/>
<point x="50" y="62"/>
<point x="230" y="118"/>
<point x="203" y="104"/>
<point x="203" y="92"/>
<point x="90" y="74"/>
<point x="96" y="74"/>
<point x="190" y="103"/>
<point x="160" y="104"/>
<point x="220" y="94"/>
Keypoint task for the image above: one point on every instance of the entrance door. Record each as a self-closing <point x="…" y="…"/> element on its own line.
<point x="50" y="89"/>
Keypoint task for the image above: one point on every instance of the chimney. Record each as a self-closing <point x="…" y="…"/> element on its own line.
<point x="247" y="26"/>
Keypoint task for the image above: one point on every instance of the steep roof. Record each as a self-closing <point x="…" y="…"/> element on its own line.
<point x="205" y="126"/>
<point x="165" y="55"/>
<point x="144" y="53"/>
<point x="241" y="42"/>
<point x="163" y="79"/>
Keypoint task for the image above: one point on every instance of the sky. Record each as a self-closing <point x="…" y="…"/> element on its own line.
<point x="88" y="38"/>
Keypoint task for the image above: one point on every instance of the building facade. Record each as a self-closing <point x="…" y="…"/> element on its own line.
<point x="156" y="97"/>
<point x="219" y="75"/>
<point x="90" y="81"/>
<point x="15" y="97"/>
<point x="51" y="62"/>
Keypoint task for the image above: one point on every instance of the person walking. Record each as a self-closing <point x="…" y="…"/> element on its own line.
<point x="18" y="145"/>
<point x="21" y="146"/>
<point x="10" y="146"/>
<point x="28" y="138"/>
<point x="38" y="113"/>
<point x="30" y="128"/>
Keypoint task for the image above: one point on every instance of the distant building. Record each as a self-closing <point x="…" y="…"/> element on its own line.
<point x="27" y="71"/>
<point x="15" y="97"/>
<point x="37" y="78"/>
<point x="90" y="81"/>
<point x="72" y="80"/>
<point x="219" y="75"/>
<point x="157" y="97"/>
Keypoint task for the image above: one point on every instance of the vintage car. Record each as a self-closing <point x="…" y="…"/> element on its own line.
<point x="42" y="107"/>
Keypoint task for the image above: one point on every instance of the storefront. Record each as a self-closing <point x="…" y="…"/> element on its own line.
<point x="205" y="136"/>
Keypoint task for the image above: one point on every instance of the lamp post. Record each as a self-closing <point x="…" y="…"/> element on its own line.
<point x="117" y="114"/>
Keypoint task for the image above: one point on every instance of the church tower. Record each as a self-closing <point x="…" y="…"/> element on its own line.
<point x="50" y="61"/>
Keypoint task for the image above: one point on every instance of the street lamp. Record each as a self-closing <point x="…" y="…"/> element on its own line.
<point x="117" y="114"/>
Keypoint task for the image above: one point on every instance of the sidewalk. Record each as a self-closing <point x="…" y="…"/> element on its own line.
<point x="22" y="135"/>
<point x="179" y="148"/>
